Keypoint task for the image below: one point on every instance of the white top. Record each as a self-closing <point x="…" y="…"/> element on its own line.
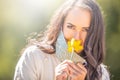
<point x="37" y="65"/>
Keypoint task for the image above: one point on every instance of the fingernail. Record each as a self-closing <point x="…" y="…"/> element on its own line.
<point x="78" y="64"/>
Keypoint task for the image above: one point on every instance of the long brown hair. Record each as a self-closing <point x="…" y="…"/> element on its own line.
<point x="94" y="48"/>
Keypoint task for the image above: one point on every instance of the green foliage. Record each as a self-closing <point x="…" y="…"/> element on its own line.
<point x="112" y="22"/>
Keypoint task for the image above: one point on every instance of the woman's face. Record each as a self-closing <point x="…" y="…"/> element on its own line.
<point x="76" y="24"/>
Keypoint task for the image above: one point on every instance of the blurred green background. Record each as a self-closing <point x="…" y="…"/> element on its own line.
<point x="19" y="18"/>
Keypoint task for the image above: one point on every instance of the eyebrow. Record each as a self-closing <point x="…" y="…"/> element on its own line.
<point x="75" y="26"/>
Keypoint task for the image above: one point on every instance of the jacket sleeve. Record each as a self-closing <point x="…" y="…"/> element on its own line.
<point x="105" y="72"/>
<point x="25" y="68"/>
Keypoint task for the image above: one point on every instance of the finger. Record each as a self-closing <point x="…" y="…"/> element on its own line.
<point x="74" y="70"/>
<point x="73" y="77"/>
<point x="79" y="68"/>
<point x="82" y="67"/>
<point x="61" y="75"/>
<point x="66" y="61"/>
<point x="73" y="67"/>
<point x="77" y="76"/>
<point x="59" y="69"/>
<point x="64" y="74"/>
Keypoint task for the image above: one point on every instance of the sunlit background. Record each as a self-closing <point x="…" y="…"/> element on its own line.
<point x="19" y="18"/>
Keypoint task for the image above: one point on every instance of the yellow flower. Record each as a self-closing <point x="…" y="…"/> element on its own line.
<point x="74" y="45"/>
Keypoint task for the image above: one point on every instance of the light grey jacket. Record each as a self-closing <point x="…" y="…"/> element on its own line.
<point x="37" y="65"/>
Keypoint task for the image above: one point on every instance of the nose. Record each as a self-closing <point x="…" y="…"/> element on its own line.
<point x="77" y="35"/>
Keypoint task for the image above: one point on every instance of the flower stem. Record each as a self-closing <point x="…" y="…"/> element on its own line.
<point x="72" y="54"/>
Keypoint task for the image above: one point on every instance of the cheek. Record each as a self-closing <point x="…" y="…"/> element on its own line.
<point x="83" y="37"/>
<point x="68" y="34"/>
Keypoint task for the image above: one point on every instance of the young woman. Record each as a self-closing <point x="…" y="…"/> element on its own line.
<point x="46" y="58"/>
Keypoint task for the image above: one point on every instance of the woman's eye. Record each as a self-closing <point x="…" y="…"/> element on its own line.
<point x="85" y="30"/>
<point x="71" y="27"/>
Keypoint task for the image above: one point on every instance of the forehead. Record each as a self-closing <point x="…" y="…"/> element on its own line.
<point x="79" y="17"/>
